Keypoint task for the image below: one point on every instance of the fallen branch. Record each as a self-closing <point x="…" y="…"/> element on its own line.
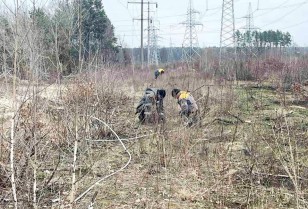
<point x="237" y="117"/>
<point x="53" y="172"/>
<point x="127" y="139"/>
<point x="278" y="175"/>
<point x="223" y="120"/>
<point x="115" y="140"/>
<point x="92" y="200"/>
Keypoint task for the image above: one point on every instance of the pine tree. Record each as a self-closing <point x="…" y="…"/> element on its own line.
<point x="43" y="23"/>
<point x="97" y="30"/>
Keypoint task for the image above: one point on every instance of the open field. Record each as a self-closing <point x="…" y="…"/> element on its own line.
<point x="72" y="74"/>
<point x="249" y="149"/>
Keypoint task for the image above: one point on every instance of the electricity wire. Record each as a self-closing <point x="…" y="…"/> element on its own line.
<point x="113" y="173"/>
<point x="283" y="16"/>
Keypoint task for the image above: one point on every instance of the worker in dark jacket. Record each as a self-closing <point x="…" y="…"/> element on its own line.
<point x="159" y="72"/>
<point x="187" y="104"/>
<point x="151" y="108"/>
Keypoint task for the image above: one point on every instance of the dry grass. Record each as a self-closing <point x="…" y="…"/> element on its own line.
<point x="248" y="151"/>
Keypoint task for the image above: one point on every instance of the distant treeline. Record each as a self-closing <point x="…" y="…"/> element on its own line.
<point x="263" y="39"/>
<point x="174" y="54"/>
<point x="260" y="40"/>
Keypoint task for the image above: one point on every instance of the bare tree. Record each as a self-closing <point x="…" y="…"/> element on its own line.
<point x="14" y="107"/>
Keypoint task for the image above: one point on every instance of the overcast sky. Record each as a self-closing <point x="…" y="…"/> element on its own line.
<point x="284" y="15"/>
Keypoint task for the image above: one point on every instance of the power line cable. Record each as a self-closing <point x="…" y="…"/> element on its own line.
<point x="297" y="24"/>
<point x="284" y="7"/>
<point x="271" y="9"/>
<point x="114" y="172"/>
<point x="158" y="17"/>
<point x="264" y="13"/>
<point x="283" y="16"/>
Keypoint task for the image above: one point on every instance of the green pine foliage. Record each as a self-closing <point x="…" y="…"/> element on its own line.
<point x="42" y="23"/>
<point x="97" y="31"/>
<point x="263" y="39"/>
<point x="56" y="33"/>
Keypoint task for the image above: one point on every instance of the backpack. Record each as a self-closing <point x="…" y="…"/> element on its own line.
<point x="151" y="105"/>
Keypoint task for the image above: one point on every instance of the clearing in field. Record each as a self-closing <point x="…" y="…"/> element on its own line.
<point x="249" y="148"/>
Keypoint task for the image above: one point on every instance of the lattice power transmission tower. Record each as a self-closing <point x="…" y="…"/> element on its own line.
<point x="170" y="52"/>
<point x="249" y="28"/>
<point x="190" y="43"/>
<point x="153" y="45"/>
<point x="227" y="32"/>
<point x="249" y="19"/>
